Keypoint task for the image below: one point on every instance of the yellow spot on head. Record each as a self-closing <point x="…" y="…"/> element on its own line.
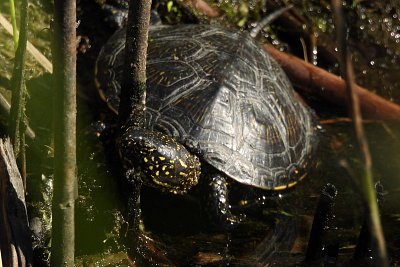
<point x="182" y="163"/>
<point x="145" y="160"/>
<point x="151" y="168"/>
<point x="161" y="158"/>
<point x="167" y="173"/>
<point x="157" y="173"/>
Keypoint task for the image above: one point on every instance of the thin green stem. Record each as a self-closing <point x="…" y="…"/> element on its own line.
<point x="18" y="82"/>
<point x="367" y="180"/>
<point x="14" y="23"/>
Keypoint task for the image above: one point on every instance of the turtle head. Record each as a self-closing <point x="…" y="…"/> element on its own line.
<point x="158" y="160"/>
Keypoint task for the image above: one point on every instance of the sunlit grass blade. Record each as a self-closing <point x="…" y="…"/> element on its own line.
<point x="14" y="23"/>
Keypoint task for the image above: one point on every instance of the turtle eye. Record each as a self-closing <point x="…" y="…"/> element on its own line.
<point x="160" y="160"/>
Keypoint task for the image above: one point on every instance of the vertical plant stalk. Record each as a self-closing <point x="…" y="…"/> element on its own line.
<point x="367" y="183"/>
<point x="23" y="156"/>
<point x="14" y="23"/>
<point x="65" y="184"/>
<point x="133" y="85"/>
<point x="133" y="100"/>
<point x="18" y="83"/>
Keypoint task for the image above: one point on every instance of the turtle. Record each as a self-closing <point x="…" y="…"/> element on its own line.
<point x="218" y="106"/>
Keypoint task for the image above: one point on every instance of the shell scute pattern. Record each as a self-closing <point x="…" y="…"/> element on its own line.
<point x="218" y="93"/>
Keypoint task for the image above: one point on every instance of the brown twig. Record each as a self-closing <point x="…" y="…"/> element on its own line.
<point x="133" y="101"/>
<point x="65" y="184"/>
<point x="204" y="8"/>
<point x="355" y="112"/>
<point x="318" y="82"/>
<point x="133" y="86"/>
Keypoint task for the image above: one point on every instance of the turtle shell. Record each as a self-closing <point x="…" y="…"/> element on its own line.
<point x="222" y="96"/>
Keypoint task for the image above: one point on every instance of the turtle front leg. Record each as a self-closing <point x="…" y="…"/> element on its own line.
<point x="217" y="204"/>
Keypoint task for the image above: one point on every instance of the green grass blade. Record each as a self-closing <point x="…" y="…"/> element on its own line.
<point x="14" y="23"/>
